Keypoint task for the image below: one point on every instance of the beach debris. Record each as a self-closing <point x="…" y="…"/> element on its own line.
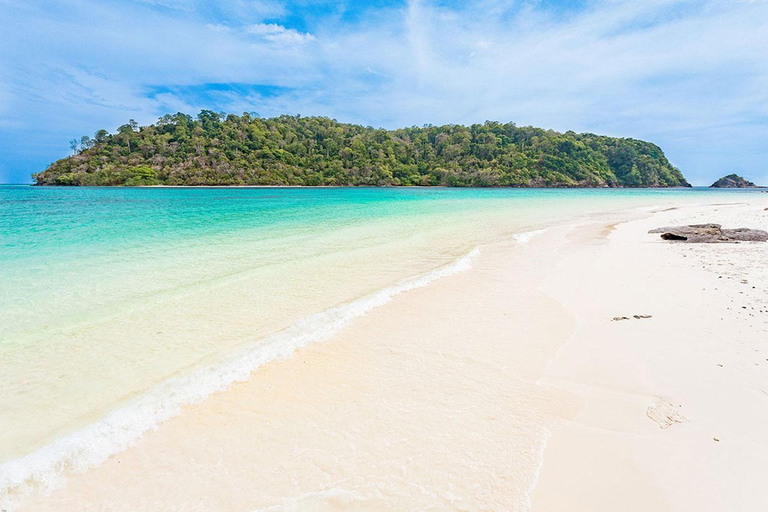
<point x="636" y="317"/>
<point x="664" y="413"/>
<point x="710" y="233"/>
<point x="673" y="236"/>
<point x="716" y="439"/>
<point x="640" y="317"/>
<point x="619" y="318"/>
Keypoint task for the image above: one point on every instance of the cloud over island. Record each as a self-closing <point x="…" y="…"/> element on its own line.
<point x="689" y="75"/>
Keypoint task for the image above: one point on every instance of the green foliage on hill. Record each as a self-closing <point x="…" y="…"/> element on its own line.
<point x="218" y="149"/>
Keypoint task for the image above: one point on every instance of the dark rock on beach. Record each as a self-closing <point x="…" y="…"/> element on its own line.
<point x="732" y="181"/>
<point x="710" y="233"/>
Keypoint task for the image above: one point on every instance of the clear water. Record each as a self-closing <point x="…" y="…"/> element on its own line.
<point x="106" y="293"/>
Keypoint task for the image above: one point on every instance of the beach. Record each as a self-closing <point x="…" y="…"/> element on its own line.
<point x="274" y="256"/>
<point x="577" y="363"/>
<point x="673" y="404"/>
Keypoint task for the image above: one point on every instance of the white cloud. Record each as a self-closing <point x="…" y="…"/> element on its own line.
<point x="690" y="75"/>
<point x="278" y="33"/>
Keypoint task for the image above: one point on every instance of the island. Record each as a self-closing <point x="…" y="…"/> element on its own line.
<point x="218" y="149"/>
<point x="732" y="181"/>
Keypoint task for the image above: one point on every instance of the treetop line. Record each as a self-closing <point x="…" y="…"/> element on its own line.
<point x="227" y="149"/>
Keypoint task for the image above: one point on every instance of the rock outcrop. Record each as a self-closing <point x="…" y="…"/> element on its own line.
<point x="732" y="181"/>
<point x="710" y="233"/>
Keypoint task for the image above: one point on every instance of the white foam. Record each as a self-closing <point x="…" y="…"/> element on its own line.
<point x="546" y="434"/>
<point x="525" y="237"/>
<point x="334" y="495"/>
<point x="92" y="445"/>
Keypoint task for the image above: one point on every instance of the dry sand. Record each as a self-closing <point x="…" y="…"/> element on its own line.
<point x="445" y="397"/>
<point x="676" y="404"/>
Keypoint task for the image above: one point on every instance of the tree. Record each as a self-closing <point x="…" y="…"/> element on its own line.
<point x="101" y="136"/>
<point x="244" y="149"/>
<point x="73" y="145"/>
<point x="126" y="131"/>
<point x="133" y="124"/>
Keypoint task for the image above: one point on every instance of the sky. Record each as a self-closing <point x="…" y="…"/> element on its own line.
<point x="688" y="75"/>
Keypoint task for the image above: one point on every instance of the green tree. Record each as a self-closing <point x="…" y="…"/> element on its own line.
<point x="219" y="149"/>
<point x="126" y="131"/>
<point x="101" y="136"/>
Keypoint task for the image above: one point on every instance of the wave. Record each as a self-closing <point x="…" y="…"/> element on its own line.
<point x="545" y="435"/>
<point x="92" y="445"/>
<point x="526" y="236"/>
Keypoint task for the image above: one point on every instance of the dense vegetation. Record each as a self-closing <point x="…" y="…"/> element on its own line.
<point x="218" y="149"/>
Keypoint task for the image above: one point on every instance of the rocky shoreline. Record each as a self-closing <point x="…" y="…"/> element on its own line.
<point x="710" y="233"/>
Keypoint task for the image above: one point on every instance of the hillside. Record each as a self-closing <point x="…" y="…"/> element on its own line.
<point x="218" y="149"/>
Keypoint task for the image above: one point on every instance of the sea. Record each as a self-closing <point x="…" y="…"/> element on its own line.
<point x="119" y="306"/>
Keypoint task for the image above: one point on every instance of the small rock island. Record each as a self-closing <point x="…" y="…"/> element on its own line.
<point x="732" y="181"/>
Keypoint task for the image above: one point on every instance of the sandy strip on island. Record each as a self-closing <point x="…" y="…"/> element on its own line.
<point x="445" y="398"/>
<point x="676" y="414"/>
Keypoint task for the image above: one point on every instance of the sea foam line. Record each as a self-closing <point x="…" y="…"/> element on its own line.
<point x="92" y="445"/>
<point x="525" y="237"/>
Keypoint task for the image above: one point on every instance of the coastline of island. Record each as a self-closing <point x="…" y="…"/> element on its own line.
<point x="226" y="149"/>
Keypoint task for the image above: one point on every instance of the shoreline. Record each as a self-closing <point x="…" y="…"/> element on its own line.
<point x="536" y="371"/>
<point x="86" y="448"/>
<point x="528" y="448"/>
<point x="389" y="186"/>
<point x="760" y="188"/>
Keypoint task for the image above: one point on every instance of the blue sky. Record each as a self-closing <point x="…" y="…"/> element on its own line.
<point x="689" y="75"/>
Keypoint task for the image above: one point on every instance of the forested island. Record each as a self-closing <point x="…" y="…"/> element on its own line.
<point x="221" y="149"/>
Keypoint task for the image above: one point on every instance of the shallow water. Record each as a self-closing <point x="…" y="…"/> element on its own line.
<point x="108" y="293"/>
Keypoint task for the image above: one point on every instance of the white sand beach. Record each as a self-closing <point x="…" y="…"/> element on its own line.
<point x="424" y="255"/>
<point x="674" y="405"/>
<point x="509" y="386"/>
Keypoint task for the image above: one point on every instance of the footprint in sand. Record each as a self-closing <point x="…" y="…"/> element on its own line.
<point x="665" y="413"/>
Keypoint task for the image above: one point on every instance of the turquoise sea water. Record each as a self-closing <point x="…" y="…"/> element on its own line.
<point x="106" y="293"/>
